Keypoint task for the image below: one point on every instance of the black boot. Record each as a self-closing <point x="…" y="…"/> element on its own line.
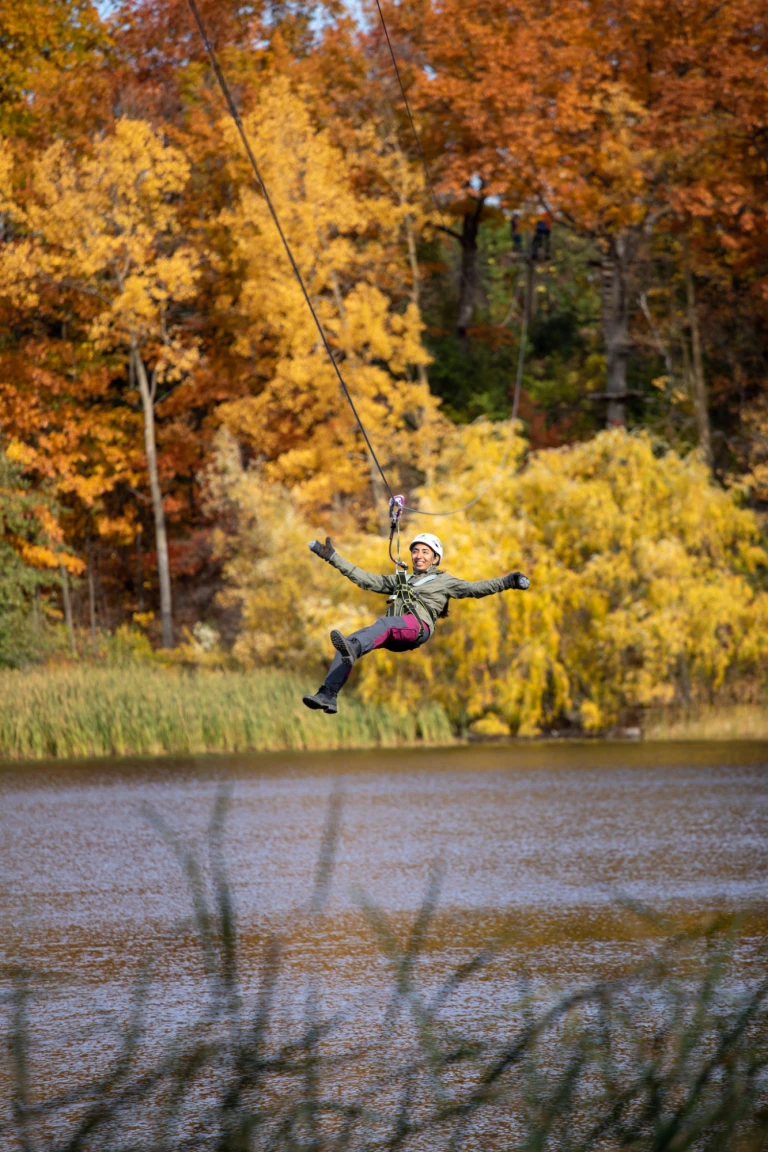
<point x="347" y="649"/>
<point x="322" y="699"/>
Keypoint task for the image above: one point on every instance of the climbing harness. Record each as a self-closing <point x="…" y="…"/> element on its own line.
<point x="232" y="108"/>
<point x="405" y="586"/>
<point x="403" y="590"/>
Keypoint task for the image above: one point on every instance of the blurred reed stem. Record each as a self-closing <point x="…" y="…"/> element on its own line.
<point x="671" y="1056"/>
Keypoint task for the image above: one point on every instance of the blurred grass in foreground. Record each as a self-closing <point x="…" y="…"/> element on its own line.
<point x="672" y="1056"/>
<point x="141" y="710"/>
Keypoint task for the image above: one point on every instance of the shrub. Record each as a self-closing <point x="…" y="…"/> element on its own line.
<point x="27" y="566"/>
<point x="646" y="585"/>
<point x="645" y="588"/>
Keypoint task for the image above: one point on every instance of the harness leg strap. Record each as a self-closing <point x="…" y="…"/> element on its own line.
<point x="396" y="633"/>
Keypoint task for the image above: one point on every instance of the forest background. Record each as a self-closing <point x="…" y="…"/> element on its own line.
<point x="173" y="434"/>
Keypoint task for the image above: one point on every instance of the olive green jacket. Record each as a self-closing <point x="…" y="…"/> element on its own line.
<point x="427" y="593"/>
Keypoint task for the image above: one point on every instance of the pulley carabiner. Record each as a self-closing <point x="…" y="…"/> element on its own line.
<point x="396" y="506"/>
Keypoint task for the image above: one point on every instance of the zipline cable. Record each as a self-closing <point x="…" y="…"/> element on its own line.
<point x="410" y="118"/>
<point x="526" y="301"/>
<point x="232" y="107"/>
<point x="249" y="153"/>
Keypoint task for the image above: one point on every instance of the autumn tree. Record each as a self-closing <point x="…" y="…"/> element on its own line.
<point x="33" y="557"/>
<point x="297" y="422"/>
<point x="105" y="226"/>
<point x="41" y="40"/>
<point x="594" y="110"/>
<point x="711" y="303"/>
<point x="646" y="589"/>
<point x="534" y="108"/>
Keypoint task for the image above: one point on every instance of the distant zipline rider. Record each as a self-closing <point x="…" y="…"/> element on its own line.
<point x="416" y="602"/>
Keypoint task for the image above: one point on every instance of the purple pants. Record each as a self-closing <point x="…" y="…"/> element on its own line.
<point x="396" y="633"/>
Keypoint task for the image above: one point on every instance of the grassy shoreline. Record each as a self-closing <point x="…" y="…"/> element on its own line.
<point x="84" y="712"/>
<point x="141" y="710"/>
<point x="726" y="722"/>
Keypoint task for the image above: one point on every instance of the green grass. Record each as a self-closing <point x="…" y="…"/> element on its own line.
<point x="142" y="710"/>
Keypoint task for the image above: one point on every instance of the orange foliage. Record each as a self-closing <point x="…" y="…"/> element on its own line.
<point x="635" y="123"/>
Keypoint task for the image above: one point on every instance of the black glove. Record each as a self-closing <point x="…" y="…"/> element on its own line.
<point x="324" y="551"/>
<point x="517" y="580"/>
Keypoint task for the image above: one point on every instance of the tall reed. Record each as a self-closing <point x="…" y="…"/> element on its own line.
<point x="148" y="711"/>
<point x="724" y="722"/>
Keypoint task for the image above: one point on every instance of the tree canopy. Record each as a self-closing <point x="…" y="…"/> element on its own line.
<point x="600" y="171"/>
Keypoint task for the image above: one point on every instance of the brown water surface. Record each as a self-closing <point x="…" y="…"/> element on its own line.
<point x="535" y="845"/>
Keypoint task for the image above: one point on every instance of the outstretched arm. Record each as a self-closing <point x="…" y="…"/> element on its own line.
<point x="461" y="589"/>
<point x="370" y="581"/>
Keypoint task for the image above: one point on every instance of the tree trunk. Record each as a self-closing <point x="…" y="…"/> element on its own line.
<point x="36" y="612"/>
<point x="700" y="405"/>
<point x="421" y="369"/>
<point x="139" y="574"/>
<point x="468" y="273"/>
<point x="161" y="535"/>
<point x="615" y="309"/>
<point x="67" y="600"/>
<point x="91" y="591"/>
<point x="661" y="346"/>
<point x="530" y="285"/>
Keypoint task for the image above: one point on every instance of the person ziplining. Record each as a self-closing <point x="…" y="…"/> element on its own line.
<point x="416" y="602"/>
<point x="333" y="359"/>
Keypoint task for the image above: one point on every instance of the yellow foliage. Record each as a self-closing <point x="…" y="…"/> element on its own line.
<point x="41" y="41"/>
<point x="641" y="590"/>
<point x="645" y="586"/>
<point x="18" y="453"/>
<point x="624" y="161"/>
<point x="6" y="175"/>
<point x="44" y="558"/>
<point x="490" y="726"/>
<point x="342" y="241"/>
<point x="106" y="224"/>
<point x="287" y="600"/>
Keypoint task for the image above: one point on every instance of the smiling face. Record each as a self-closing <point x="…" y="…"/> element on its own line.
<point x="422" y="557"/>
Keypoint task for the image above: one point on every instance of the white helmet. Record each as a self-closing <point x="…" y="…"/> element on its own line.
<point x="430" y="541"/>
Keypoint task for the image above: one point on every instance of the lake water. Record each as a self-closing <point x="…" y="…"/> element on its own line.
<point x="535" y="847"/>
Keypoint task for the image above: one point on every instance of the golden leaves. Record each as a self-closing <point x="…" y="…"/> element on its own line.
<point x="6" y="176"/>
<point x="640" y="587"/>
<point x="342" y="240"/>
<point x="106" y="225"/>
<point x="98" y="234"/>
